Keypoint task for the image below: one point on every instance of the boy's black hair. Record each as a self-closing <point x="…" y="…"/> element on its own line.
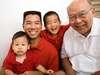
<point x="49" y="13"/>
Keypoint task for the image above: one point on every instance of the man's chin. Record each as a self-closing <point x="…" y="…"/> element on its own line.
<point x="33" y="37"/>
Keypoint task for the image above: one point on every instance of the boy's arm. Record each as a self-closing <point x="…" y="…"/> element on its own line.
<point x="44" y="70"/>
<point x="68" y="67"/>
<point x="41" y="68"/>
<point x="96" y="73"/>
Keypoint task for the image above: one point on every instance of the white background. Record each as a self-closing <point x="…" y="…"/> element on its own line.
<point x="11" y="17"/>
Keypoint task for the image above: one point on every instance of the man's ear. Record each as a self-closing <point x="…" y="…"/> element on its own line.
<point x="93" y="11"/>
<point x="23" y="26"/>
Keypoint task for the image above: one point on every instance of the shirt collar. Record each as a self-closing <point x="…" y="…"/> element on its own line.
<point x="75" y="33"/>
<point x="93" y="32"/>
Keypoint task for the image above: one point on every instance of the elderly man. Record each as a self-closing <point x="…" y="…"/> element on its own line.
<point x="80" y="49"/>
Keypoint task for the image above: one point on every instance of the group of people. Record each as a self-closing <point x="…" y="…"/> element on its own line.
<point x="71" y="49"/>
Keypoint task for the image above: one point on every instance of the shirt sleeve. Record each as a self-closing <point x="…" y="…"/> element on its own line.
<point x="53" y="61"/>
<point x="8" y="61"/>
<point x="63" y="52"/>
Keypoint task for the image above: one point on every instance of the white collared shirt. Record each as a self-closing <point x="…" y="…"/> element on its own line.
<point x="83" y="52"/>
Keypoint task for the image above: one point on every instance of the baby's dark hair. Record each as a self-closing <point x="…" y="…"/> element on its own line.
<point x="20" y="34"/>
<point x="49" y="13"/>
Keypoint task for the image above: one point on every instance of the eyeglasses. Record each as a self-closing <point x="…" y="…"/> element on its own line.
<point x="80" y="15"/>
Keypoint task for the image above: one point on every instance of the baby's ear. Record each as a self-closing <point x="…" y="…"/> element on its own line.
<point x="28" y="47"/>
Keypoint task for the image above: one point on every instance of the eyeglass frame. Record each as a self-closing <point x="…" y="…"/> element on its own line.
<point x="79" y="15"/>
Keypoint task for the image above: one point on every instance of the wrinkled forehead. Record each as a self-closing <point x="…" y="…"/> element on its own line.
<point x="78" y="5"/>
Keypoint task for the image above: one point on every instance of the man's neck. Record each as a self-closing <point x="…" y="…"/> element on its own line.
<point x="35" y="42"/>
<point x="87" y="33"/>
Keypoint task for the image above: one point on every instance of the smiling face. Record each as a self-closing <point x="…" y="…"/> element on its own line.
<point x="20" y="45"/>
<point x="32" y="26"/>
<point x="52" y="24"/>
<point x="81" y="16"/>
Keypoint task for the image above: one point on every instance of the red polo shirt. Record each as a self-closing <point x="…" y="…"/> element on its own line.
<point x="45" y="54"/>
<point x="17" y="67"/>
<point x="55" y="40"/>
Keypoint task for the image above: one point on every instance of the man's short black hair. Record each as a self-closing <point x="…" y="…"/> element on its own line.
<point x="31" y="13"/>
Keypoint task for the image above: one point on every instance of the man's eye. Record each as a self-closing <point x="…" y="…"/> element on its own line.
<point x="37" y="23"/>
<point x="23" y="44"/>
<point x="48" y="23"/>
<point x="17" y="44"/>
<point x="82" y="14"/>
<point x="55" y="21"/>
<point x="72" y="17"/>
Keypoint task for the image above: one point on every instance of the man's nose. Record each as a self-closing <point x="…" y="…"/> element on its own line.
<point x="53" y="25"/>
<point x="33" y="25"/>
<point x="78" y="19"/>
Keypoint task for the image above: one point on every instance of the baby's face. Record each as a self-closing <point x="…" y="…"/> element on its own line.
<point x="20" y="45"/>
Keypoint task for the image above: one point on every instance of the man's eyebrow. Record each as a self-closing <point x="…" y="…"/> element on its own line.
<point x="82" y="11"/>
<point x="27" y="21"/>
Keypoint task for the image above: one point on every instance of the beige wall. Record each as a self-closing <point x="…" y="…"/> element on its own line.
<point x="96" y="4"/>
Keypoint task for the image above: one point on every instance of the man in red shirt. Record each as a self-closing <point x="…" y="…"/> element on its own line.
<point x="54" y="31"/>
<point x="43" y="52"/>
